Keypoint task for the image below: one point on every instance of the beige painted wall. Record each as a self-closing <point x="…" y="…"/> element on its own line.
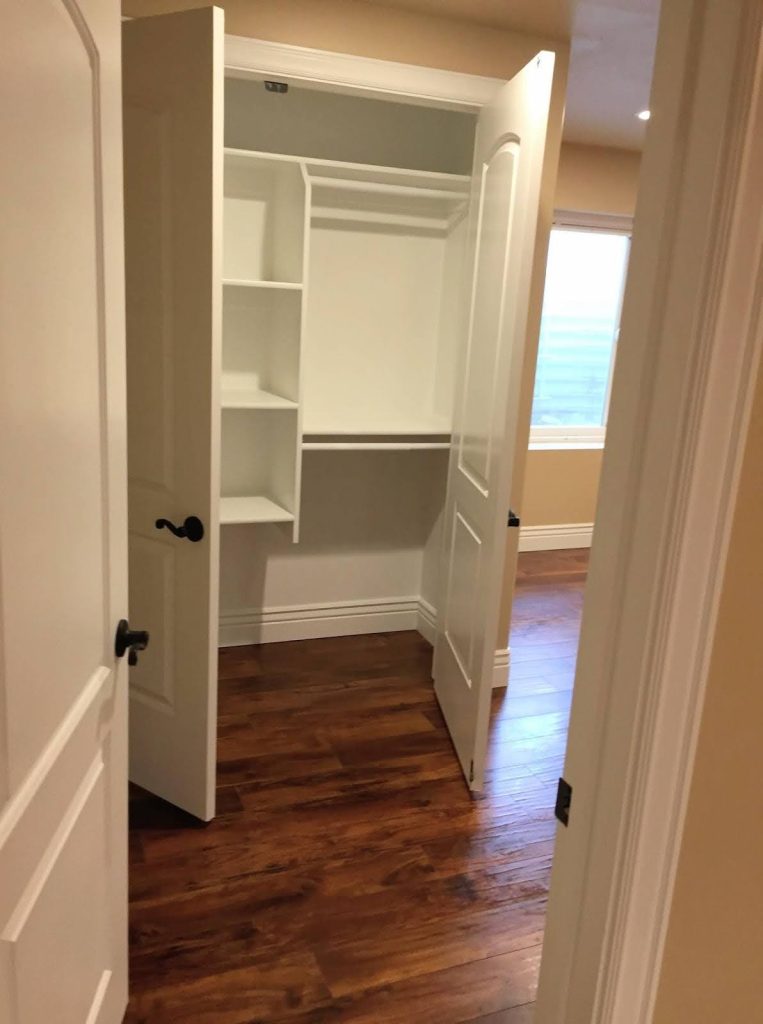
<point x="562" y="486"/>
<point x="712" y="970"/>
<point x="373" y="30"/>
<point x="554" y="487"/>
<point x="597" y="178"/>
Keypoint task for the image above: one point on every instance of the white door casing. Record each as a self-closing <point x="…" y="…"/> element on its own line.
<point x="508" y="161"/>
<point x="173" y="113"/>
<point x="63" y="587"/>
<point x="688" y="361"/>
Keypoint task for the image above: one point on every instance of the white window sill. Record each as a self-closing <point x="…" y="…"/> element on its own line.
<point x="562" y="445"/>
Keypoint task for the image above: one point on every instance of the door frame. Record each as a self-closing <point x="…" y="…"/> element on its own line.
<point x="259" y="59"/>
<point x="693" y="336"/>
<point x="358" y="76"/>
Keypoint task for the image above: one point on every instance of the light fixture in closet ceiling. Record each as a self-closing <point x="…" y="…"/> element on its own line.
<point x="644" y="115"/>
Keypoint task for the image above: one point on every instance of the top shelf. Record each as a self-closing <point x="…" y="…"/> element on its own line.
<point x="334" y="172"/>
<point x="433" y="429"/>
<point x="361" y="194"/>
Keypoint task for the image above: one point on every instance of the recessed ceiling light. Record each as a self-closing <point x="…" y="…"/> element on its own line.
<point x="644" y="115"/>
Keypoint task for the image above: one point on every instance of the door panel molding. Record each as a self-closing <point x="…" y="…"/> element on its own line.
<point x="38" y="879"/>
<point x="90" y="698"/>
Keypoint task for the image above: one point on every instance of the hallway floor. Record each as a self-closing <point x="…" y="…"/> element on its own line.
<point x="349" y="876"/>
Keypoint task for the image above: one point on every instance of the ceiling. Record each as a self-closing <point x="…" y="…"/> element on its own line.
<point x="535" y="17"/>
<point x="612" y="55"/>
<point x="611" y="64"/>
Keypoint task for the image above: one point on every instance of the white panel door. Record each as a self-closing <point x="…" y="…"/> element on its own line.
<point x="63" y="521"/>
<point x="173" y="118"/>
<point x="508" y="160"/>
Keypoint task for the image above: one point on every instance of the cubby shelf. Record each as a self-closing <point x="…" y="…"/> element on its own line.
<point x="253" y="398"/>
<point x="230" y="282"/>
<point x="389" y="188"/>
<point x="374" y="446"/>
<point x="254" y="509"/>
<point x="434" y="429"/>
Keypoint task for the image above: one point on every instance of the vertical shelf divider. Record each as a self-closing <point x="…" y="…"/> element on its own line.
<point x="302" y="322"/>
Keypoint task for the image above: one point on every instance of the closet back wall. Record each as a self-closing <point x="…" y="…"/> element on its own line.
<point x="336" y="126"/>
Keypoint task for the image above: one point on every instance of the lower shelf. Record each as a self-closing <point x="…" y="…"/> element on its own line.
<point x="252" y="510"/>
<point x="374" y="446"/>
<point x="253" y="398"/>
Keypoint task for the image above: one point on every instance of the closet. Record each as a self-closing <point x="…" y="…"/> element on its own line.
<point x="328" y="266"/>
<point x="344" y="228"/>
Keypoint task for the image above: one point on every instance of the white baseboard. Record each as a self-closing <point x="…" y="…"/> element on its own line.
<point x="307" y="622"/>
<point x="555" y="538"/>
<point x="427" y="624"/>
<point x="501" y="668"/>
<point x="339" y="618"/>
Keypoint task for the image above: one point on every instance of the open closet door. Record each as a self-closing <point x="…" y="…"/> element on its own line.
<point x="508" y="160"/>
<point x="173" y="144"/>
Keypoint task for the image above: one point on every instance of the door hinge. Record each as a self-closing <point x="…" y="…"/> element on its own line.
<point x="471" y="771"/>
<point x="563" y="801"/>
<point x="513" y="518"/>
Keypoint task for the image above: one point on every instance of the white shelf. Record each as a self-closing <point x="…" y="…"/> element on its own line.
<point x="434" y="428"/>
<point x="375" y="446"/>
<point x="253" y="398"/>
<point x="315" y="166"/>
<point x="252" y="510"/>
<point x="389" y="188"/>
<point x="230" y="282"/>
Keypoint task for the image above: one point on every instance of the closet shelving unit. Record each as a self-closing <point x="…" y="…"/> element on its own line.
<point x="264" y="251"/>
<point x="337" y="329"/>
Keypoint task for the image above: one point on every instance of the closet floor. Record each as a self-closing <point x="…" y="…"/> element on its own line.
<point x="349" y="876"/>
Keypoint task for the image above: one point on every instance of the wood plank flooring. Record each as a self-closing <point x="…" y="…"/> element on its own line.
<point x="349" y="876"/>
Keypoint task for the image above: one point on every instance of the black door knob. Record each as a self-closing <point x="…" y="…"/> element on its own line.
<point x="132" y="640"/>
<point x="192" y="529"/>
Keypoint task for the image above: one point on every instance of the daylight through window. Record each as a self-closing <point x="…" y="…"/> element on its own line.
<point x="581" y="316"/>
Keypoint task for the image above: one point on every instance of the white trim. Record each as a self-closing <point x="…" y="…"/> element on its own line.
<point x="565" y="446"/>
<point x="693" y="336"/>
<point x="341" y="618"/>
<point x="343" y="72"/>
<point x="427" y="621"/>
<point x="568" y="437"/>
<point x="556" y="537"/>
<point x="592" y="220"/>
<point x="501" y="666"/>
<point x="335" y="618"/>
<point x="585" y="436"/>
<point x="729" y="345"/>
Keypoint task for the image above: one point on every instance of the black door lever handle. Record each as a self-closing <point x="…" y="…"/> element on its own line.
<point x="192" y="529"/>
<point x="129" y="640"/>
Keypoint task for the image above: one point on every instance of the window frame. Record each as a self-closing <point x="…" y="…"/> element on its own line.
<point x="580" y="437"/>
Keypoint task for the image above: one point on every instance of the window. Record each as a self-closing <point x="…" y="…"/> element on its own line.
<point x="585" y="276"/>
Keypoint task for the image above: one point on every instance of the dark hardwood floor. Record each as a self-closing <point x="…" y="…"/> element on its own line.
<point x="349" y="876"/>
